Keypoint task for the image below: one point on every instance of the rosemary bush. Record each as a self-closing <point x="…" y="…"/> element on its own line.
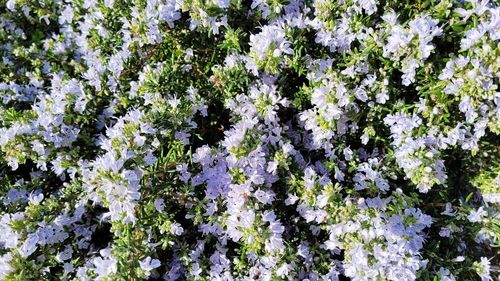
<point x="249" y="140"/>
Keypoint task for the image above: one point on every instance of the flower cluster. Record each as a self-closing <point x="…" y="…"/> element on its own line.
<point x="249" y="140"/>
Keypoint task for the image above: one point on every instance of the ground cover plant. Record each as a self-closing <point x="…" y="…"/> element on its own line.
<point x="249" y="140"/>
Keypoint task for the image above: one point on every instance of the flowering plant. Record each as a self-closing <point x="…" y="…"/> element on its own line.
<point x="249" y="140"/>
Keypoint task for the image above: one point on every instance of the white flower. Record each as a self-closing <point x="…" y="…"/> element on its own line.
<point x="222" y="3"/>
<point x="149" y="264"/>
<point x="66" y="15"/>
<point x="292" y="198"/>
<point x="471" y="37"/>
<point x="382" y="97"/>
<point x="483" y="269"/>
<point x="174" y="102"/>
<point x="11" y="5"/>
<point x="448" y="210"/>
<point x="476" y="215"/>
<point x="35" y="199"/>
<point x="5" y="267"/>
<point x="188" y="54"/>
<point x="283" y="270"/>
<point x="29" y="246"/>
<point x="370" y="6"/>
<point x="176" y="229"/>
<point x="109" y="3"/>
<point x="409" y="72"/>
<point x="159" y="205"/>
<point x="104" y="267"/>
<point x="65" y="255"/>
<point x="271" y="38"/>
<point x="169" y="12"/>
<point x="445" y="275"/>
<point x="445" y="232"/>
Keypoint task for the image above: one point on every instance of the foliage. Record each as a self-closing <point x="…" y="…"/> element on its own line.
<point x="249" y="140"/>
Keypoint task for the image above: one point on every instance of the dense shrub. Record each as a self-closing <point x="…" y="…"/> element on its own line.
<point x="249" y="140"/>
